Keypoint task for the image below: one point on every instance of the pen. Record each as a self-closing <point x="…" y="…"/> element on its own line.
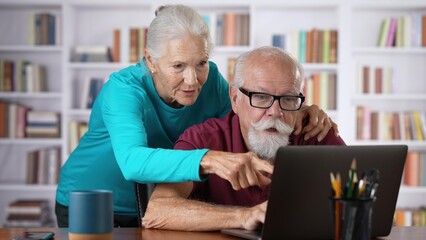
<point x="361" y="186"/>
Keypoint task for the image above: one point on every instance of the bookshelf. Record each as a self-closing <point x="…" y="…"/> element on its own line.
<point x="408" y="89"/>
<point x="91" y="23"/>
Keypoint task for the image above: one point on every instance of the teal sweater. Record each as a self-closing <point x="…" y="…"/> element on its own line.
<point x="131" y="135"/>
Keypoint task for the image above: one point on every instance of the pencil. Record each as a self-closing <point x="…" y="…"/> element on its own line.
<point x="352" y="173"/>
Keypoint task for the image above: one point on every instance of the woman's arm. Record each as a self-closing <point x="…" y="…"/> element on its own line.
<point x="319" y="123"/>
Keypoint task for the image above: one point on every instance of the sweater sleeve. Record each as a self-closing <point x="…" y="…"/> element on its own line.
<point x="123" y="116"/>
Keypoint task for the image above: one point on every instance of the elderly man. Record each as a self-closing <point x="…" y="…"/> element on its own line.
<point x="265" y="96"/>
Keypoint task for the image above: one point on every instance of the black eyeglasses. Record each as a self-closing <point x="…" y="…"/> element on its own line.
<point x="265" y="100"/>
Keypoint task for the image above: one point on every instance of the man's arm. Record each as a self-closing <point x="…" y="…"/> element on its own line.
<point x="169" y="208"/>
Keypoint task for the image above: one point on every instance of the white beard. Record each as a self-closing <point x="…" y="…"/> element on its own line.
<point x="266" y="145"/>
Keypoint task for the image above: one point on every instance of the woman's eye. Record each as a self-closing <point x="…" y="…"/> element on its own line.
<point x="203" y="63"/>
<point x="177" y="66"/>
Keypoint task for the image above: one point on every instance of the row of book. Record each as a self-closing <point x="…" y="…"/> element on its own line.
<point x="126" y="40"/>
<point x="320" y="88"/>
<point x="403" y="31"/>
<point x="91" y="88"/>
<point x="97" y="53"/>
<point x="45" y="29"/>
<point x="19" y="121"/>
<point x="374" y="79"/>
<point x="310" y="46"/>
<point x="415" y="168"/>
<point x="43" y="166"/>
<point x="22" y="76"/>
<point x="76" y="131"/>
<point x="134" y="39"/>
<point x="229" y="29"/>
<point x="381" y="125"/>
<point x="406" y="217"/>
<point x="29" y="213"/>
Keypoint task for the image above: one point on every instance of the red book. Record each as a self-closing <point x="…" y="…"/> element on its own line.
<point x="366" y="79"/>
<point x="374" y="126"/>
<point x="315" y="45"/>
<point x="411" y="173"/>
<point x="230" y="29"/>
<point x="308" y="46"/>
<point x="3" y="122"/>
<point x="116" y="46"/>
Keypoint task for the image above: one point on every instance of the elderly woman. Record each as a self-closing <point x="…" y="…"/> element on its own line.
<point x="141" y="111"/>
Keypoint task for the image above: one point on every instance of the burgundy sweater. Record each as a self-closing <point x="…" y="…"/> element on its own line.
<point x="224" y="135"/>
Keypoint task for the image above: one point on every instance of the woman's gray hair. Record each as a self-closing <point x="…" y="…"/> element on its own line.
<point x="264" y="54"/>
<point x="174" y="22"/>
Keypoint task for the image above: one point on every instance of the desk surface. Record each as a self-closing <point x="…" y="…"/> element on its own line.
<point x="406" y="233"/>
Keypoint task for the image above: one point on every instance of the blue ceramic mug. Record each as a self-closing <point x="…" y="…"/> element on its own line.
<point x="91" y="215"/>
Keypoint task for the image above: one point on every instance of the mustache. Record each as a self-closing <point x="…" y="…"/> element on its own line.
<point x="280" y="126"/>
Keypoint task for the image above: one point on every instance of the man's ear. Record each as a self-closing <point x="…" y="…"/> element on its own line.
<point x="233" y="91"/>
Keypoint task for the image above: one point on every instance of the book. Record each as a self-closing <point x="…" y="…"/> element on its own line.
<point x="220" y="30"/>
<point x="326" y="46"/>
<point x="230" y="29"/>
<point x="407" y="31"/>
<point x="116" y="45"/>
<point x="390" y="41"/>
<point x="411" y="177"/>
<point x="3" y="125"/>
<point x="245" y="41"/>
<point x="366" y="79"/>
<point x="384" y="32"/>
<point x="378" y="80"/>
<point x="134" y="44"/>
<point x="399" y="32"/>
<point x="302" y="46"/>
<point x="28" y="213"/>
<point x="424" y="30"/>
<point x="278" y="40"/>
<point x="333" y="45"/>
<point x="418" y="126"/>
<point x="27" y="206"/>
<point x="332" y="91"/>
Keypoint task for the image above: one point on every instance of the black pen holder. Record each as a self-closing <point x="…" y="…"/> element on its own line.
<point x="352" y="218"/>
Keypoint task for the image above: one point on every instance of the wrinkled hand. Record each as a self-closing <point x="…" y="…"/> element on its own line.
<point x="254" y="216"/>
<point x="319" y="123"/>
<point x="240" y="169"/>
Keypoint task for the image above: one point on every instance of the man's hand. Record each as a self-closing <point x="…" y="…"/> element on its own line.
<point x="240" y="169"/>
<point x="253" y="216"/>
<point x="319" y="123"/>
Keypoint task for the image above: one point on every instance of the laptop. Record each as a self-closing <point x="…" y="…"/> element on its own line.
<point x="299" y="205"/>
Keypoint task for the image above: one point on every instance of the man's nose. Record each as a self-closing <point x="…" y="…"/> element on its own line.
<point x="275" y="109"/>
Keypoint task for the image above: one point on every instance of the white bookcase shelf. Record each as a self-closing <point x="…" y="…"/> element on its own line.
<point x="90" y="23"/>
